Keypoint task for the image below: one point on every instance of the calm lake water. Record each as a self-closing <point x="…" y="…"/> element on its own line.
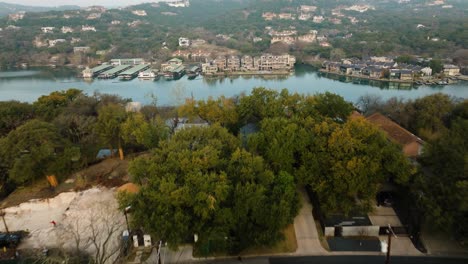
<point x="29" y="85"/>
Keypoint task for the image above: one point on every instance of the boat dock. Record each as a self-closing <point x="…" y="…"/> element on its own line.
<point x="112" y="73"/>
<point x="134" y="71"/>
<point x="174" y="73"/>
<point x="90" y="73"/>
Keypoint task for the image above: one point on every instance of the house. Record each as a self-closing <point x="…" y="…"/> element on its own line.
<point x="257" y="39"/>
<point x="200" y="55"/>
<point x="346" y="69"/>
<point x="88" y="28"/>
<point x="182" y="53"/>
<point x="181" y="3"/>
<point x="209" y="68"/>
<point x="269" y="16"/>
<point x="184" y="42"/>
<point x="16" y="16"/>
<point x="249" y="63"/>
<point x="373" y="72"/>
<point x="286" y="16"/>
<point x="233" y="63"/>
<point x="304" y="17"/>
<point x="331" y="66"/>
<point x="426" y="71"/>
<point x="66" y="30"/>
<point x="47" y="29"/>
<point x="93" y="16"/>
<point x="54" y="42"/>
<point x="81" y="49"/>
<point x="406" y="75"/>
<point x="318" y="19"/>
<point x="115" y="22"/>
<point x="451" y="70"/>
<point x="220" y="61"/>
<point x="309" y="37"/>
<point x="269" y="62"/>
<point x="308" y="8"/>
<point x="411" y="144"/>
<point x="139" y="12"/>
<point x="395" y="74"/>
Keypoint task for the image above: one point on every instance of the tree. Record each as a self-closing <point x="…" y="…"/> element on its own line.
<point x="36" y="149"/>
<point x="444" y="189"/>
<point x="50" y="106"/>
<point x="333" y="106"/>
<point x="436" y="66"/>
<point x="108" y="126"/>
<point x="13" y="114"/>
<point x="221" y="110"/>
<point x="139" y="131"/>
<point x="352" y="161"/>
<point x="201" y="182"/>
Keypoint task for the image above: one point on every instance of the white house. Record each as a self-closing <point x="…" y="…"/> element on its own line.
<point x="88" y="28"/>
<point x="184" y="42"/>
<point x="67" y="30"/>
<point x="139" y="12"/>
<point x="426" y="71"/>
<point x="47" y="29"/>
<point x="451" y="70"/>
<point x="54" y="42"/>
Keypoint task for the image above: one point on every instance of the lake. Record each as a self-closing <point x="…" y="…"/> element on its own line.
<point x="29" y="85"/>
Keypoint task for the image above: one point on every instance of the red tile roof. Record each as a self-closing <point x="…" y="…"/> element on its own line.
<point x="393" y="130"/>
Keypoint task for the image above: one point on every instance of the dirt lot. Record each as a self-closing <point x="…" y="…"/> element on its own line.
<point x="109" y="173"/>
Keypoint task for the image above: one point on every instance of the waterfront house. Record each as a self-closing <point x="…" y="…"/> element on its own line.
<point x="373" y="72"/>
<point x="411" y="144"/>
<point x="406" y="75"/>
<point x="451" y="70"/>
<point x="357" y="69"/>
<point x="249" y="63"/>
<point x="395" y="74"/>
<point x="269" y="62"/>
<point x="346" y="69"/>
<point x="209" y="68"/>
<point x="233" y="63"/>
<point x="220" y="61"/>
<point x="426" y="71"/>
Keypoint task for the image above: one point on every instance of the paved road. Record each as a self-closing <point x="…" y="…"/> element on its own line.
<point x="366" y="259"/>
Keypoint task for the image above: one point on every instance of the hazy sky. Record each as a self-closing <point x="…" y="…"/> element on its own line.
<point x="76" y="2"/>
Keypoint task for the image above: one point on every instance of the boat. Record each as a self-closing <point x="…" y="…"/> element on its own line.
<point x="147" y="75"/>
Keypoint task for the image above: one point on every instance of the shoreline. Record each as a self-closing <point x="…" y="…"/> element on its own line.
<point x="367" y="77"/>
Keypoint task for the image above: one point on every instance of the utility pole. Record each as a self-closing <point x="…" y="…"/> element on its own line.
<point x="389" y="243"/>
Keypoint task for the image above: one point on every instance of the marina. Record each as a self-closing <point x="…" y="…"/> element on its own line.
<point x="114" y="72"/>
<point x="30" y="85"/>
<point x="133" y="72"/>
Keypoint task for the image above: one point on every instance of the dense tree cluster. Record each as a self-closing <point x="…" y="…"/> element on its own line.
<point x="64" y="130"/>
<point x="440" y="191"/>
<point x="234" y="187"/>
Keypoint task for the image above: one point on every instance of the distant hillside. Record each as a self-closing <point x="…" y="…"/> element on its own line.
<point x="6" y="8"/>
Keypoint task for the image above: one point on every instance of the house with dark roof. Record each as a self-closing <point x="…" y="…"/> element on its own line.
<point x="411" y="144"/>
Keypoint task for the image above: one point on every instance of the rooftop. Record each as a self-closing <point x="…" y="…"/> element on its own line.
<point x="393" y="130"/>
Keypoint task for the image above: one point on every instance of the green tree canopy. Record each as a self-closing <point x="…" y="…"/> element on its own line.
<point x="36" y="149"/>
<point x="201" y="182"/>
<point x="13" y="114"/>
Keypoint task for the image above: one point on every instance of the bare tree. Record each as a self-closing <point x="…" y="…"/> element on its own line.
<point x="95" y="232"/>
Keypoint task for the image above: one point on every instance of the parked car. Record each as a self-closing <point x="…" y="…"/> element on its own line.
<point x="9" y="239"/>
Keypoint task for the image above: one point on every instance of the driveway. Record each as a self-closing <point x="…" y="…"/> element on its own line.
<point x="308" y="242"/>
